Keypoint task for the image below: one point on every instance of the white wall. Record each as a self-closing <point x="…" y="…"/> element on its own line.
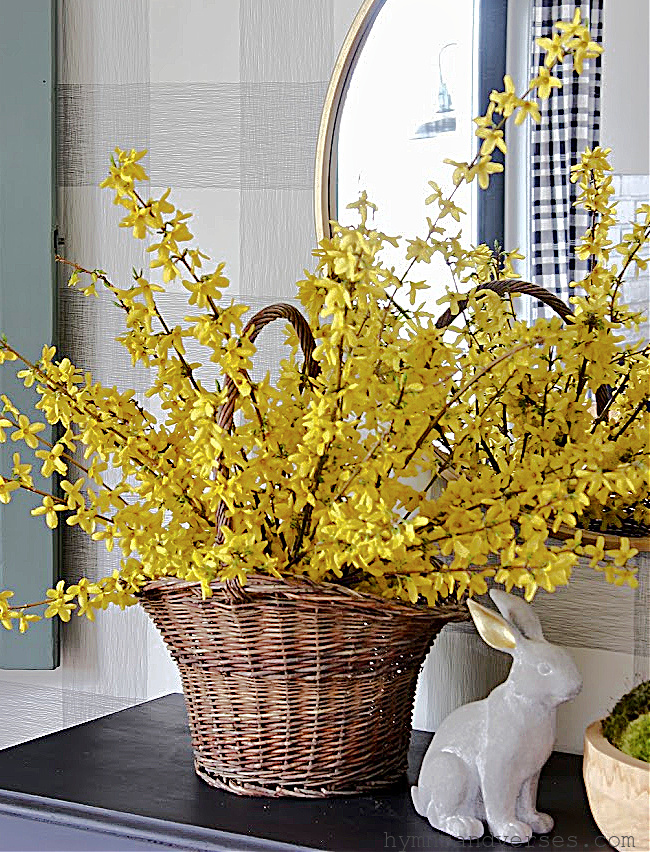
<point x="626" y="84"/>
<point x="625" y="126"/>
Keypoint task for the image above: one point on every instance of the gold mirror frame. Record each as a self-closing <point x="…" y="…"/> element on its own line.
<point x="325" y="168"/>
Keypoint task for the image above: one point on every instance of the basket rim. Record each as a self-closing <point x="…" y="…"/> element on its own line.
<point x="304" y="587"/>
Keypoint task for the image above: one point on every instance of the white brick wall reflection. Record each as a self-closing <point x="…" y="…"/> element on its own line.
<point x="630" y="192"/>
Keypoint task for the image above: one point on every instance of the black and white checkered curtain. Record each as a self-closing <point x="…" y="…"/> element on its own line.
<point x="570" y="123"/>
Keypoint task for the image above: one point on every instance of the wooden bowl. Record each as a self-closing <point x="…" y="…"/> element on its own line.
<point x="618" y="789"/>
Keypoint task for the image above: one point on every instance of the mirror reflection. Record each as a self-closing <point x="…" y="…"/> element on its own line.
<point x="408" y="106"/>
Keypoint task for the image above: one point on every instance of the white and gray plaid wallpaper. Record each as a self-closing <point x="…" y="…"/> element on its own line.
<point x="226" y="95"/>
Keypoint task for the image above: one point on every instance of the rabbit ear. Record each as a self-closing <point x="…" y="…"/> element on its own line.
<point x="493" y="629"/>
<point x="519" y="613"/>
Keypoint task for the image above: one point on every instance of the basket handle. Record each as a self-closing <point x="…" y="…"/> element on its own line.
<point x="503" y="286"/>
<point x="262" y="318"/>
<point x="253" y="327"/>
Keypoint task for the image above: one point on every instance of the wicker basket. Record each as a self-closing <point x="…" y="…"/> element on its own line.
<point x="293" y="688"/>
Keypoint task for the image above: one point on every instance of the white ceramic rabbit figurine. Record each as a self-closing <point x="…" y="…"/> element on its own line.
<point x="484" y="761"/>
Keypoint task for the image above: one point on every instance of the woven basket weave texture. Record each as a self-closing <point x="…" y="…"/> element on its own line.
<point x="292" y="688"/>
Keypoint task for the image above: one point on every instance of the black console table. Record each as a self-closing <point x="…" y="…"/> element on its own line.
<point x="127" y="782"/>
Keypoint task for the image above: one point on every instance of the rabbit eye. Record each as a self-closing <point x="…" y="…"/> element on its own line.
<point x="543" y="668"/>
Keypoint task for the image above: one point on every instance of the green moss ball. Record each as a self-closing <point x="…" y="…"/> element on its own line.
<point x="628" y="725"/>
<point x="636" y="738"/>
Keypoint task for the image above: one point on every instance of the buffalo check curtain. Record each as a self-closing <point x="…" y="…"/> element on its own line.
<point x="570" y="123"/>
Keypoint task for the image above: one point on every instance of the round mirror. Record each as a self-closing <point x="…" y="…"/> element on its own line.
<point x="400" y="102"/>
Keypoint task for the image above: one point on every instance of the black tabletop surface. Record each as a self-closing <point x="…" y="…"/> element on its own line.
<point x="134" y="769"/>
